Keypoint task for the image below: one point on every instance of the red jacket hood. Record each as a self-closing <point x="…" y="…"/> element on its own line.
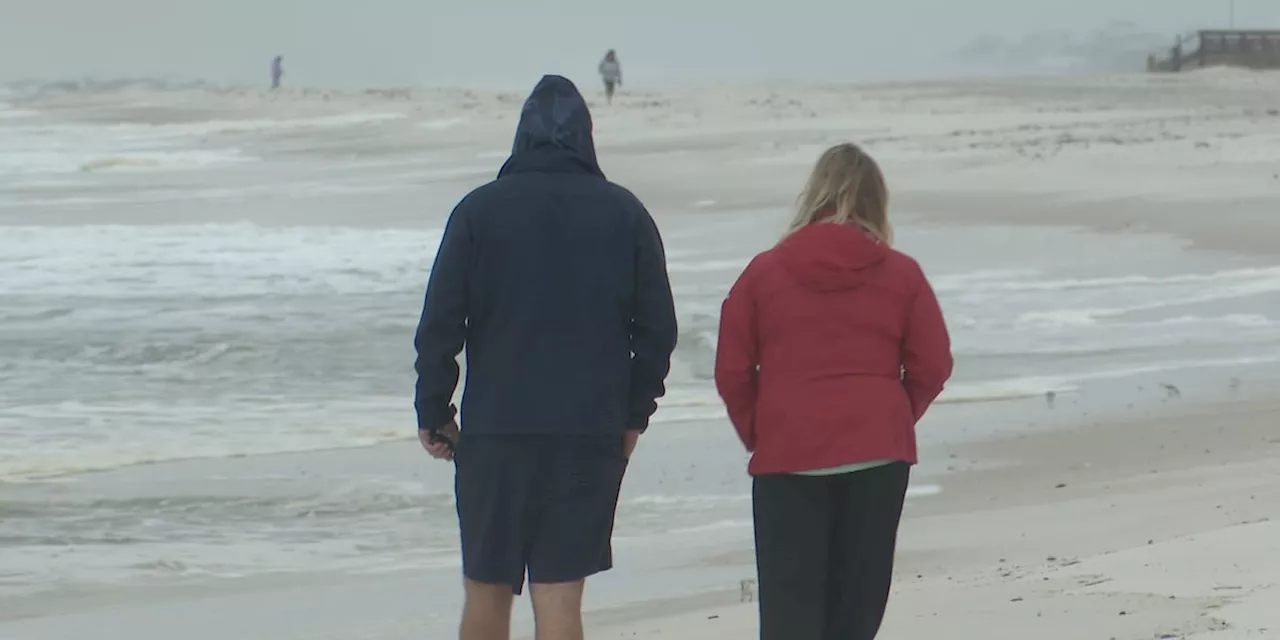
<point x="831" y="257"/>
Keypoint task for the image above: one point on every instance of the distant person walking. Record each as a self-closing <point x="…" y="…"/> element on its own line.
<point x="554" y="280"/>
<point x="277" y="72"/>
<point x="610" y="74"/>
<point x="832" y="346"/>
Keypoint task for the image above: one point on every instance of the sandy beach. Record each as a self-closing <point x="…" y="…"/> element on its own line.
<point x="229" y="280"/>
<point x="1160" y="529"/>
<point x="1135" y="530"/>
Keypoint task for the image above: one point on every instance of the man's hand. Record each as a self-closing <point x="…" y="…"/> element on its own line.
<point x="630" y="438"/>
<point x="439" y="449"/>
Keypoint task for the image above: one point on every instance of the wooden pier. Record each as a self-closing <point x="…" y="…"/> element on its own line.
<point x="1251" y="49"/>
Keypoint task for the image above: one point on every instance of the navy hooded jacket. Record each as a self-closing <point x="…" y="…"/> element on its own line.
<point x="555" y="281"/>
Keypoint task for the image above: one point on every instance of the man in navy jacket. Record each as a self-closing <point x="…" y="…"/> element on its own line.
<point x="555" y="281"/>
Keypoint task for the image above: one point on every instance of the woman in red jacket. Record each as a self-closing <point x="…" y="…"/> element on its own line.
<point x="832" y="346"/>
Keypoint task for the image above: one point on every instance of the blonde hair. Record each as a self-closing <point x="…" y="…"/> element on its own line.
<point x="846" y="187"/>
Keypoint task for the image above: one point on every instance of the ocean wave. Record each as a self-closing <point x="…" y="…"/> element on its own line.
<point x="27" y="466"/>
<point x="172" y="160"/>
<point x="99" y="86"/>
<point x="1003" y="390"/>
<point x="224" y="509"/>
<point x="693" y="406"/>
<point x="18" y="466"/>
<point x="45" y="146"/>
<point x="1024" y="281"/>
<point x="176" y="101"/>
<point x="445" y="123"/>
<point x="1060" y="319"/>
<point x="117" y="163"/>
<point x="1035" y="386"/>
<point x="142" y="354"/>
<point x="256" y="125"/>
<point x="212" y="262"/>
<point x="7" y="112"/>
<point x="1075" y="319"/>
<point x="40" y="315"/>
<point x="53" y="149"/>
<point x="706" y="266"/>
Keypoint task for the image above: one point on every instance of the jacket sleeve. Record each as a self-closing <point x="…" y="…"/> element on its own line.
<point x="653" y="324"/>
<point x="738" y="359"/>
<point x="442" y="331"/>
<point x="926" y="350"/>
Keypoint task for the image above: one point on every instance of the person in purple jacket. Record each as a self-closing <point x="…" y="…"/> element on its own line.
<point x="277" y="71"/>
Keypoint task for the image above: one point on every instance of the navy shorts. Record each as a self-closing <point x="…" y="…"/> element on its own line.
<point x="540" y="505"/>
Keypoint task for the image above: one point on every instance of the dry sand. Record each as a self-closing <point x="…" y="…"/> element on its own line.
<point x="1164" y="529"/>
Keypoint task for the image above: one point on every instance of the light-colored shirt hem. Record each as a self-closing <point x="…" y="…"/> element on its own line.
<point x="844" y="468"/>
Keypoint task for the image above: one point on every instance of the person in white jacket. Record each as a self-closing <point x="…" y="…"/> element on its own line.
<point x="611" y="74"/>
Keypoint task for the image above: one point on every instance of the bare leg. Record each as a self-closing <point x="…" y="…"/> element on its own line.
<point x="557" y="610"/>
<point x="487" y="612"/>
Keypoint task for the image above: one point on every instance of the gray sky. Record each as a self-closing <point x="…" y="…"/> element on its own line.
<point x="362" y="43"/>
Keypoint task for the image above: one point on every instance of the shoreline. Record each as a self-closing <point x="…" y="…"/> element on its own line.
<point x="1065" y="526"/>
<point x="1107" y="398"/>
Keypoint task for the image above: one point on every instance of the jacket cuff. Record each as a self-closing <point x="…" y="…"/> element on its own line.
<point x="436" y="420"/>
<point x="638" y="423"/>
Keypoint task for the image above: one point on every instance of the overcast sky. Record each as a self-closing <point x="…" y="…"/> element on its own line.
<point x="363" y="43"/>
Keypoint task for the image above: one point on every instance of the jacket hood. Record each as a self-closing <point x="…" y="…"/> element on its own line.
<point x="831" y="257"/>
<point x="554" y="134"/>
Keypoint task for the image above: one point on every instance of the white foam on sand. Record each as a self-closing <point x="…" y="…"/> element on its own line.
<point x="7" y="112"/>
<point x="336" y="121"/>
<point x="27" y="459"/>
<point x="44" y="147"/>
<point x="59" y="149"/>
<point x="923" y="491"/>
<point x="213" y="260"/>
<point x="726" y="266"/>
<point x="442" y="124"/>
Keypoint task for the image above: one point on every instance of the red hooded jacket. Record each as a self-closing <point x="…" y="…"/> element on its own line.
<point x="831" y="348"/>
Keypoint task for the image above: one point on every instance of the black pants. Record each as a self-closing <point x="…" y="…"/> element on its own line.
<point x="824" y="552"/>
